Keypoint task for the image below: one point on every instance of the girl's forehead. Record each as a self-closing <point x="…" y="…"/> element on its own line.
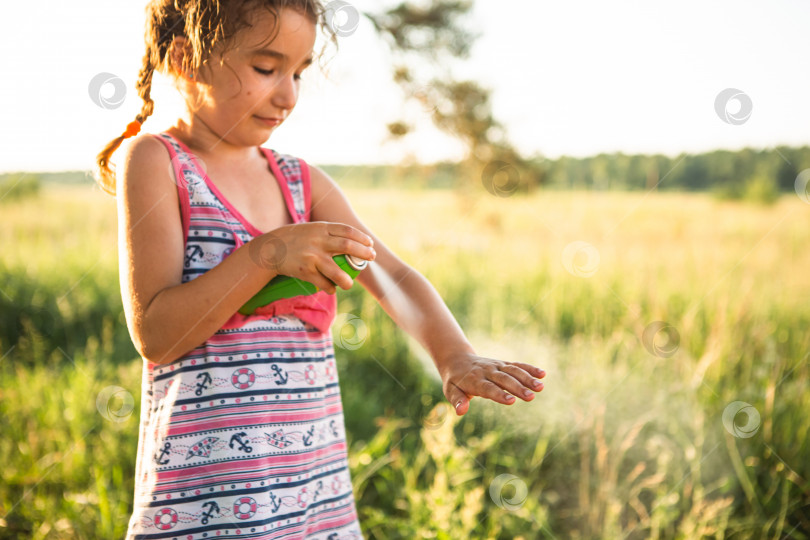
<point x="292" y="31"/>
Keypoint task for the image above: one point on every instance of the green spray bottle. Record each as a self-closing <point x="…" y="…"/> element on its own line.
<point x="287" y="287"/>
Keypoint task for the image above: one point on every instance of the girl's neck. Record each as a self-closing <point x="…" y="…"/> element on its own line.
<point x="201" y="140"/>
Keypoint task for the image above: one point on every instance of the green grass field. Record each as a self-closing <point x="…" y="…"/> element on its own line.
<point x="628" y="439"/>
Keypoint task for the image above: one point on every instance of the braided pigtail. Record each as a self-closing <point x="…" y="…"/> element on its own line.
<point x="105" y="176"/>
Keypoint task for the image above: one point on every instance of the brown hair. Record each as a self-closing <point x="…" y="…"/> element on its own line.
<point x="205" y="24"/>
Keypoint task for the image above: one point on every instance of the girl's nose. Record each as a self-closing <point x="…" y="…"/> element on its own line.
<point x="286" y="93"/>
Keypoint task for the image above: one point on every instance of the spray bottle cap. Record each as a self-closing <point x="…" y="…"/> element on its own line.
<point x="356" y="263"/>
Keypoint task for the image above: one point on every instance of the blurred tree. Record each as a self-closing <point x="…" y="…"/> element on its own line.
<point x="430" y="37"/>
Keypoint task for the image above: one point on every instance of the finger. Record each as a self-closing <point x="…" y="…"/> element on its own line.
<point x="488" y="389"/>
<point x="314" y="275"/>
<point x="511" y="385"/>
<point x="458" y="398"/>
<point x="330" y="270"/>
<point x="342" y="245"/>
<point x="323" y="283"/>
<point x="533" y="370"/>
<point x="523" y="376"/>
<point x="351" y="233"/>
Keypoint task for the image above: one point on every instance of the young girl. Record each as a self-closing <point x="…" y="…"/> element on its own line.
<point x="242" y="432"/>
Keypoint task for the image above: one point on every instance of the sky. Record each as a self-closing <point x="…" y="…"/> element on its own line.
<point x="567" y="78"/>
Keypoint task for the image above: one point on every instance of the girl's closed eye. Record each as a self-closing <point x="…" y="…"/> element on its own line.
<point x="297" y="76"/>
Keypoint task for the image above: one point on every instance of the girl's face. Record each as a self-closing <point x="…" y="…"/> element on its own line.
<point x="256" y="82"/>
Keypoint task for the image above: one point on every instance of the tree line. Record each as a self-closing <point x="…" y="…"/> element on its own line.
<point x="726" y="172"/>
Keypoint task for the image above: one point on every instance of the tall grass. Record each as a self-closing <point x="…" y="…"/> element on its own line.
<point x="622" y="443"/>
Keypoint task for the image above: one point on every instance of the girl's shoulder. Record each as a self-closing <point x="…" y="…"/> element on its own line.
<point x="144" y="158"/>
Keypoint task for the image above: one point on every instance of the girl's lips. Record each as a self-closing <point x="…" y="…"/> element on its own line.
<point x="268" y="121"/>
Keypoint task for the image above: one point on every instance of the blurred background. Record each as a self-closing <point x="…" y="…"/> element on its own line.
<point x="616" y="192"/>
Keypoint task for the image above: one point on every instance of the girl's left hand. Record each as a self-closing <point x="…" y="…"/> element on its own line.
<point x="466" y="375"/>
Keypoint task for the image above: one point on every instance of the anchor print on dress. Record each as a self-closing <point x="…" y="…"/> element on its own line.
<point x="301" y="500"/>
<point x="196" y="254"/>
<point x="318" y="489"/>
<point x="281" y="376"/>
<point x="237" y="437"/>
<point x="208" y="513"/>
<point x="165" y="452"/>
<point x="192" y="254"/>
<point x="202" y="448"/>
<point x="308" y="437"/>
<point x="244" y="378"/>
<point x="202" y="385"/>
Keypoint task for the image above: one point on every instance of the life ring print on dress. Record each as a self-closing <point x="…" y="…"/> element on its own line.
<point x="244" y="508"/>
<point x="243" y="378"/>
<point x="309" y="374"/>
<point x="303" y="497"/>
<point x="165" y="519"/>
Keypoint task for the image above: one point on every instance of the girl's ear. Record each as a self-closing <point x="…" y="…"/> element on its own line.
<point x="180" y="55"/>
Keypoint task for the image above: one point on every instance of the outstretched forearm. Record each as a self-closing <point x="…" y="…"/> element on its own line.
<point x="416" y="307"/>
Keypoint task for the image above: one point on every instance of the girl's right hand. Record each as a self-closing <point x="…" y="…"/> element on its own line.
<point x="305" y="251"/>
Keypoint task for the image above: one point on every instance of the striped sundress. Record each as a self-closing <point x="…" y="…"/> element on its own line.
<point x="243" y="437"/>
